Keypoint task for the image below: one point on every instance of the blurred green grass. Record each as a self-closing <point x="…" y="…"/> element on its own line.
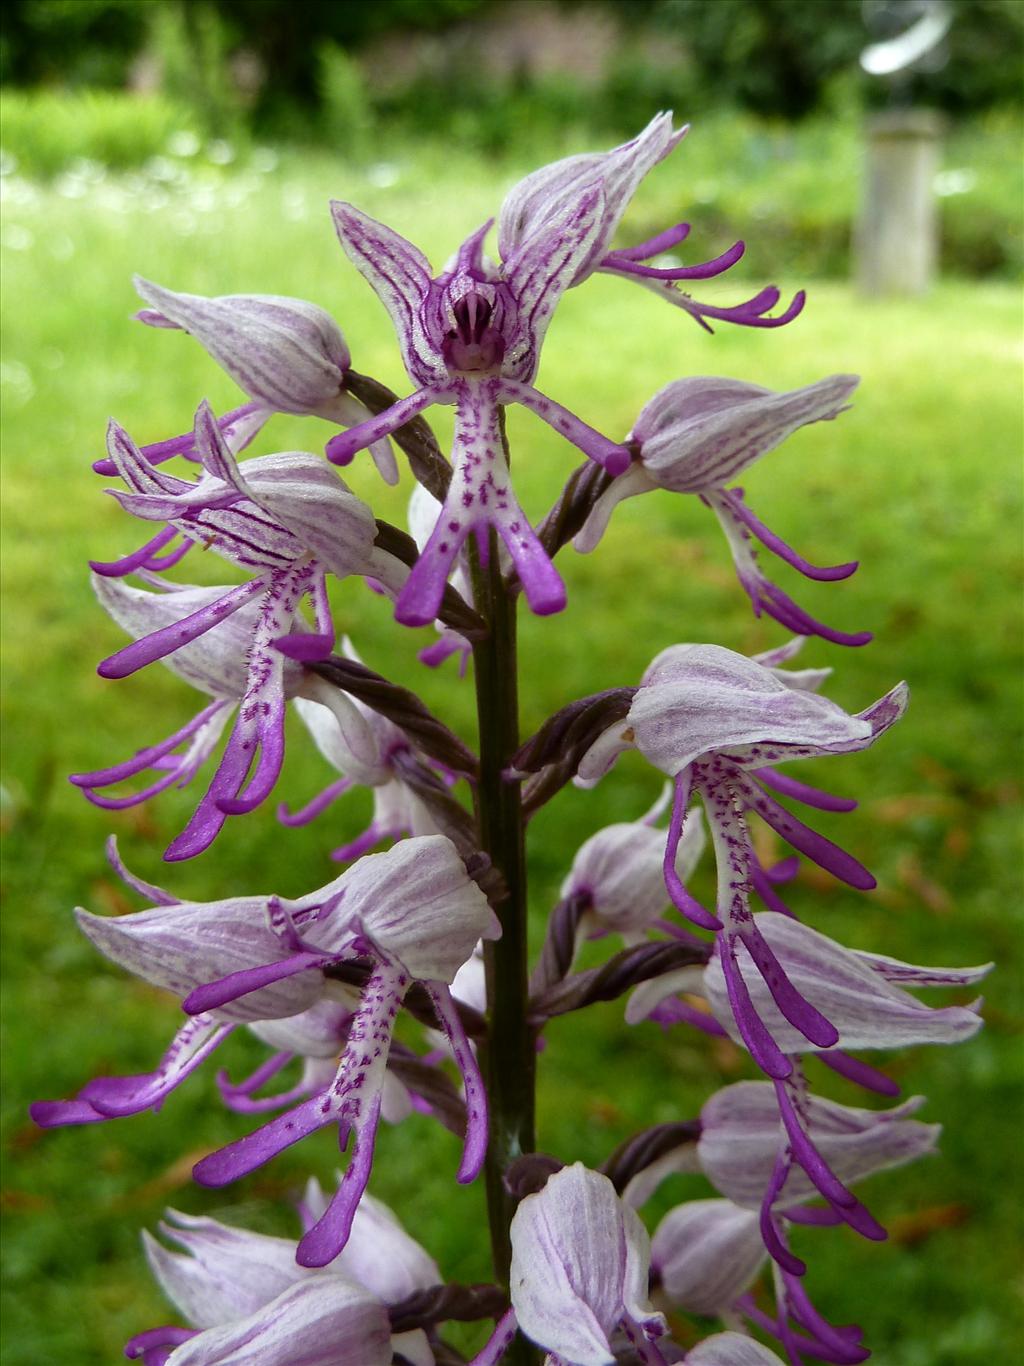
<point x="921" y="481"/>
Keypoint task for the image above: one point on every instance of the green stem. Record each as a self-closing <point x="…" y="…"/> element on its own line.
<point x="509" y="1055"/>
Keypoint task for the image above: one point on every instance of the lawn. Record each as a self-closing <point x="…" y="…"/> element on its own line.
<point x="920" y="481"/>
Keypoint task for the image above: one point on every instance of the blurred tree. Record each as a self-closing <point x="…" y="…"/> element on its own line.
<point x="265" y="57"/>
<point x="777" y="57"/>
<point x="78" y="42"/>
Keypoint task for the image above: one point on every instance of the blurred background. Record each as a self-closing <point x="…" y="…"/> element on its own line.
<point x="197" y="142"/>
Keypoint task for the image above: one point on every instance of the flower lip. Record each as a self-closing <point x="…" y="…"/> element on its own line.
<point x="474" y="343"/>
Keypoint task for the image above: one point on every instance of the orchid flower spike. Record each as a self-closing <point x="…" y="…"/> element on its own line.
<point x="240" y="1290"/>
<point x="698" y="435"/>
<point x="718" y="723"/>
<point x="287" y="355"/>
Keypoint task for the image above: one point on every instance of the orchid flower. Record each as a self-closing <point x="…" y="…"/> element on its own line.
<point x="543" y="197"/>
<point x="718" y="722"/>
<point x="287" y="355"/>
<point x="471" y="337"/>
<point x="290" y="523"/>
<point x="235" y="663"/>
<point x="731" y="1349"/>
<point x="579" y="1275"/>
<point x="707" y="1253"/>
<point x="698" y="435"/>
<point x="416" y="915"/>
<point x="619" y="872"/>
<point x="241" y="1291"/>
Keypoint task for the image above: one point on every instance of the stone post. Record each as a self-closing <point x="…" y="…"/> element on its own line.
<point x="896" y="240"/>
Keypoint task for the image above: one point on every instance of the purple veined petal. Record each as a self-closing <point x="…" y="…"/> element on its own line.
<point x="803" y="792"/>
<point x="317" y="806"/>
<point x="155" y="1346"/>
<point x="910" y="974"/>
<point x="317" y="1321"/>
<point x="681" y="898"/>
<point x="146" y="758"/>
<point x="654" y="246"/>
<point x="862" y="1073"/>
<point x="400" y="276"/>
<point x="816" y="847"/>
<point x="765" y="595"/>
<point x="732" y="1349"/>
<point x="341" y="449"/>
<point x="115" y="569"/>
<point x="149" y="890"/>
<point x="611" y="455"/>
<point x="170" y="638"/>
<point x="285" y="353"/>
<point x="214" y="452"/>
<point x="705" y="1254"/>
<point x="580" y="1260"/>
<point x="247" y="1154"/>
<point x="774" y="543"/>
<point x="770" y="1232"/>
<point x="618" y="263"/>
<point x="236" y="984"/>
<point x="539" y="206"/>
<point x="696" y="435"/>
<point x="869" y="1011"/>
<point x="138" y="473"/>
<point x="480" y="495"/>
<point x="542" y="267"/>
<point x="475" y="1147"/>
